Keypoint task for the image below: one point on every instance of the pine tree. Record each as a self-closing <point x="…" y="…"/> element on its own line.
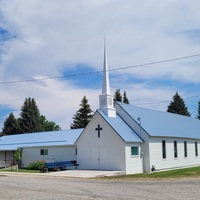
<point x="177" y="106"/>
<point x="125" y="98"/>
<point x="198" y="115"/>
<point x="30" y="121"/>
<point x="11" y="126"/>
<point x="117" y="96"/>
<point x="82" y="116"/>
<point x="30" y="117"/>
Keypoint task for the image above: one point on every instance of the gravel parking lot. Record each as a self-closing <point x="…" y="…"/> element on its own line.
<point x="57" y="188"/>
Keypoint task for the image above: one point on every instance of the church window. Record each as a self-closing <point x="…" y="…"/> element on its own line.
<point x="134" y="151"/>
<point x="185" y="149"/>
<point x="43" y="152"/>
<point x="196" y="149"/>
<point x="175" y="149"/>
<point x="164" y="149"/>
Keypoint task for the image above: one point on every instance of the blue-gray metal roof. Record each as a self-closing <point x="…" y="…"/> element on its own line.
<point x="51" y="138"/>
<point x="121" y="128"/>
<point x="157" y="123"/>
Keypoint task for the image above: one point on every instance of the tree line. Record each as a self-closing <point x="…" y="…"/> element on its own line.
<point x="31" y="120"/>
<point x="84" y="114"/>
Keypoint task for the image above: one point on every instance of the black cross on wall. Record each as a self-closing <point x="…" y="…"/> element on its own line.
<point x="98" y="129"/>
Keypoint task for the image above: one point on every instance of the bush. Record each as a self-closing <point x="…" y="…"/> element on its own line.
<point x="38" y="165"/>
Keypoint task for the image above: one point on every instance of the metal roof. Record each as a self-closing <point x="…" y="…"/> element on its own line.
<point x="121" y="128"/>
<point x="157" y="123"/>
<point x="51" y="138"/>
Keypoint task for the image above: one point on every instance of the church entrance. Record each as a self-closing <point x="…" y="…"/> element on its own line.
<point x="100" y="158"/>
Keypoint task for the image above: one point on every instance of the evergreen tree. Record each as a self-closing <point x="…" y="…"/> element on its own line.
<point x="117" y="96"/>
<point x="177" y="106"/>
<point x="82" y="116"/>
<point x="125" y="98"/>
<point x="11" y="126"/>
<point x="48" y="125"/>
<point x="198" y="115"/>
<point x="30" y="120"/>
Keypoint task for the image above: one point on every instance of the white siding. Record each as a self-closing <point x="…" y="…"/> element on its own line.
<point x="170" y="162"/>
<point x="30" y="155"/>
<point x="106" y="152"/>
<point x="134" y="164"/>
<point x="140" y="132"/>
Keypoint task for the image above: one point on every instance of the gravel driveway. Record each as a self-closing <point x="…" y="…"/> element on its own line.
<point x="57" y="188"/>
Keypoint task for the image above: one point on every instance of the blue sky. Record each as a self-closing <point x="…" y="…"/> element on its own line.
<point x="64" y="38"/>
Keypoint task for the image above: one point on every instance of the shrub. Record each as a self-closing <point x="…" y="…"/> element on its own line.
<point x="38" y="165"/>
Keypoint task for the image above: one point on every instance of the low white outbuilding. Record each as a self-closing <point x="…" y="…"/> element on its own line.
<point x="46" y="146"/>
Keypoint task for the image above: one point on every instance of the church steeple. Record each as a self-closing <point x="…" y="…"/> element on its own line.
<point x="106" y="99"/>
<point x="106" y="82"/>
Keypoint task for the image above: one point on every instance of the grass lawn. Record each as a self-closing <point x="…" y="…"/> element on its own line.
<point x="179" y="173"/>
<point x="20" y="170"/>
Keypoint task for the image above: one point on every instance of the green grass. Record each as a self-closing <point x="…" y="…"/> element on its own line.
<point x="20" y="170"/>
<point x="179" y="173"/>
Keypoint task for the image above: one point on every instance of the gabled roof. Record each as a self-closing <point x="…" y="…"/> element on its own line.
<point x="121" y="128"/>
<point x="40" y="139"/>
<point x="157" y="123"/>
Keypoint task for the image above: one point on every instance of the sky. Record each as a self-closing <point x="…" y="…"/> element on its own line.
<point x="49" y="39"/>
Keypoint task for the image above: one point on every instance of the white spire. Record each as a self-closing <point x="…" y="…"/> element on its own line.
<point x="106" y="99"/>
<point x="106" y="82"/>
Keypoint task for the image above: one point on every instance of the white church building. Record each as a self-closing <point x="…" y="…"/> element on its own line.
<point x="136" y="140"/>
<point x="119" y="137"/>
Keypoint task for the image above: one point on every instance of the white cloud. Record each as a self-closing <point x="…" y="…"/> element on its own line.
<point x="51" y="35"/>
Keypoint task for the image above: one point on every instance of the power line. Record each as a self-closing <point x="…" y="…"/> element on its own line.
<point x="158" y="102"/>
<point x="157" y="62"/>
<point x="96" y="72"/>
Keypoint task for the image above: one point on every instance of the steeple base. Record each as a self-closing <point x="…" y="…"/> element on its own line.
<point x="106" y="105"/>
<point x="110" y="112"/>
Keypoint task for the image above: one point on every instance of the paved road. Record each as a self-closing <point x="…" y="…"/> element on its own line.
<point x="59" y="188"/>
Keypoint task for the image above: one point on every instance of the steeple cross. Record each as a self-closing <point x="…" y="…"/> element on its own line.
<point x="98" y="129"/>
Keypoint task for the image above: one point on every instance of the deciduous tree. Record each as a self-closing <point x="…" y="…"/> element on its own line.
<point x="49" y="125"/>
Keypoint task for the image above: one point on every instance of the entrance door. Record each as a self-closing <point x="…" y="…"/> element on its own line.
<point x="100" y="158"/>
<point x="103" y="158"/>
<point x="95" y="158"/>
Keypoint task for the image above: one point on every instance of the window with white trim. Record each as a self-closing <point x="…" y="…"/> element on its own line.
<point x="164" y="155"/>
<point x="134" y="151"/>
<point x="175" y="150"/>
<point x="185" y="149"/>
<point x="196" y="149"/>
<point x="43" y="152"/>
